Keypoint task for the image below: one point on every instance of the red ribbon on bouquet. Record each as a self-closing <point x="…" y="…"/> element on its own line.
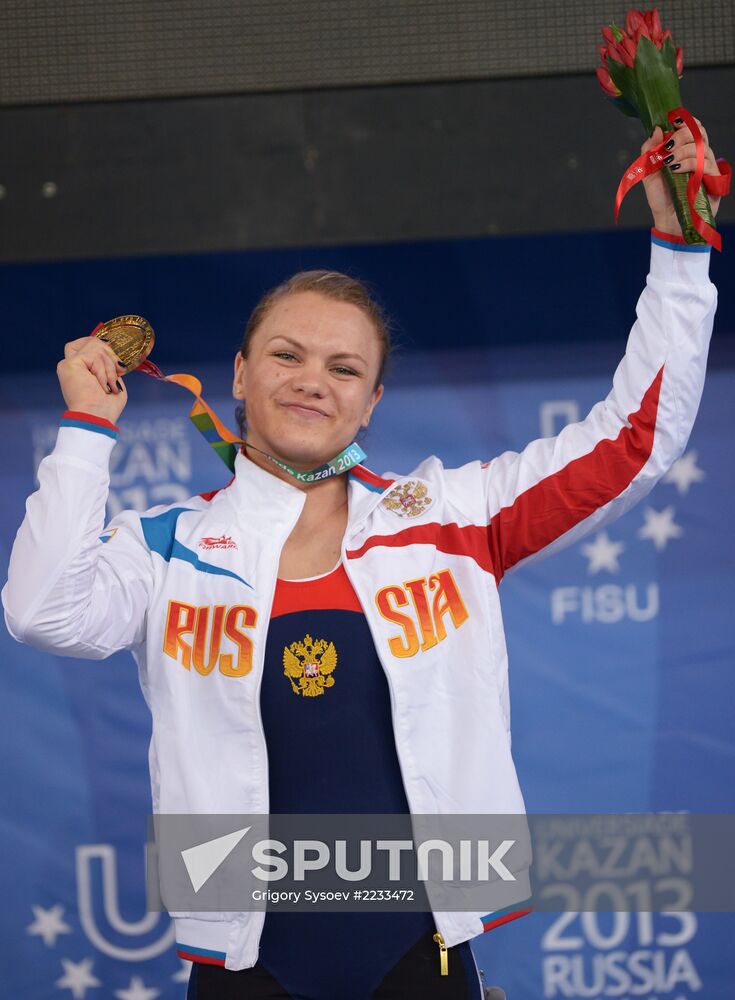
<point x="653" y="159"/>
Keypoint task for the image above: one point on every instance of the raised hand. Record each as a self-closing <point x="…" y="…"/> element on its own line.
<point x="90" y="378"/>
<point x="684" y="160"/>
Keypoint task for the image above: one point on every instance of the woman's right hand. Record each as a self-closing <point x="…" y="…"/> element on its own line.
<point x="90" y="378"/>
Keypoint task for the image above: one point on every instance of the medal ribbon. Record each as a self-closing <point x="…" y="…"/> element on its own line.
<point x="226" y="444"/>
<point x="653" y="159"/>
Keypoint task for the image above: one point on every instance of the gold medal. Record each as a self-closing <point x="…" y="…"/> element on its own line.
<point x="130" y="337"/>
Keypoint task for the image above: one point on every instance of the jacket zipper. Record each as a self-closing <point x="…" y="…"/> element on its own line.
<point x="443" y="954"/>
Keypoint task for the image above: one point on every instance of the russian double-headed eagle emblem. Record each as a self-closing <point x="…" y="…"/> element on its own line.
<point x="309" y="665"/>
<point x="408" y="500"/>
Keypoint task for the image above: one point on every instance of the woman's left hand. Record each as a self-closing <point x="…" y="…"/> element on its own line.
<point x="684" y="159"/>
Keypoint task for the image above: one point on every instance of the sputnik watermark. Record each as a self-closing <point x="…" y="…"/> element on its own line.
<point x="315" y="855"/>
<point x="196" y="863"/>
<point x="669" y="862"/>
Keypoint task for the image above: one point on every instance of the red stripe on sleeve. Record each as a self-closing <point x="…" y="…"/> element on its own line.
<point x="668" y="237"/>
<point x="548" y="509"/>
<point x="506" y="918"/>
<point x="201" y="959"/>
<point x="556" y="504"/>
<point x="89" y="418"/>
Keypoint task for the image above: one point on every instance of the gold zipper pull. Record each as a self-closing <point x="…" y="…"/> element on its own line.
<point x="443" y="954"/>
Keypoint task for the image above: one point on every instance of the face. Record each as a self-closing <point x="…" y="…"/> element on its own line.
<point x="308" y="379"/>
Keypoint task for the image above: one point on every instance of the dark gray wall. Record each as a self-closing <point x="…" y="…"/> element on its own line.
<point x="330" y="166"/>
<point x="90" y="50"/>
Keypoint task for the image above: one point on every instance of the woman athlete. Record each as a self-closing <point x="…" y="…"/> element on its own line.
<point x="341" y="650"/>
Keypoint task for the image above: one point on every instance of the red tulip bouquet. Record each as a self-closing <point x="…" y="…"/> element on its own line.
<point x="640" y="72"/>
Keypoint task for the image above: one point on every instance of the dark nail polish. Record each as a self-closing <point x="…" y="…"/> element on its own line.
<point x="669" y="144"/>
<point x="668" y="159"/>
<point x="106" y="339"/>
<point x="118" y="383"/>
<point x="678" y="121"/>
<point x="675" y="166"/>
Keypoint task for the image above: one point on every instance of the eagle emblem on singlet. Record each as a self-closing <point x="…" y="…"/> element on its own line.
<point x="409" y="499"/>
<point x="309" y="665"/>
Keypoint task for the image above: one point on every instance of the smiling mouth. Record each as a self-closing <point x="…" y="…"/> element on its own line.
<point x="306" y="411"/>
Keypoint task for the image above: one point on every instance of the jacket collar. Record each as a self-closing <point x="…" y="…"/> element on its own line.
<point x="365" y="491"/>
<point x="256" y="492"/>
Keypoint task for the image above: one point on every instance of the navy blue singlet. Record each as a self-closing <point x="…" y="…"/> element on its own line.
<point x="331" y="749"/>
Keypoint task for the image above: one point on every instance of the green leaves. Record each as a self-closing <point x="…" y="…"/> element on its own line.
<point x="657" y="85"/>
<point x="626" y="107"/>
<point x="624" y="79"/>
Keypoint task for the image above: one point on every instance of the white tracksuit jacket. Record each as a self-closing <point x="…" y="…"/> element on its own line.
<point x="426" y="569"/>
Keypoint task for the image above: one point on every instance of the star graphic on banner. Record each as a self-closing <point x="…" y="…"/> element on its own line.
<point x="182" y="976"/>
<point x="684" y="472"/>
<point x="602" y="554"/>
<point x="77" y="977"/>
<point x="137" y="991"/>
<point x="48" y="924"/>
<point x="660" y="527"/>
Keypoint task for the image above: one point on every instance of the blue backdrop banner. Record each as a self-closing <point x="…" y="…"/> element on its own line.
<point x="621" y="672"/>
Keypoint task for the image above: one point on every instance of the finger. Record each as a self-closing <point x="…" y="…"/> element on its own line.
<point x="111" y="370"/>
<point x="73" y="347"/>
<point x="112" y="361"/>
<point x="703" y="130"/>
<point x="689" y="164"/>
<point x="684" y="134"/>
<point x="680" y="154"/>
<point x="101" y="344"/>
<point x="85" y="344"/>
<point x="98" y="369"/>
<point x="710" y="163"/>
<point x="654" y="140"/>
<point x="113" y="366"/>
<point x="116" y="362"/>
<point x="683" y="150"/>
